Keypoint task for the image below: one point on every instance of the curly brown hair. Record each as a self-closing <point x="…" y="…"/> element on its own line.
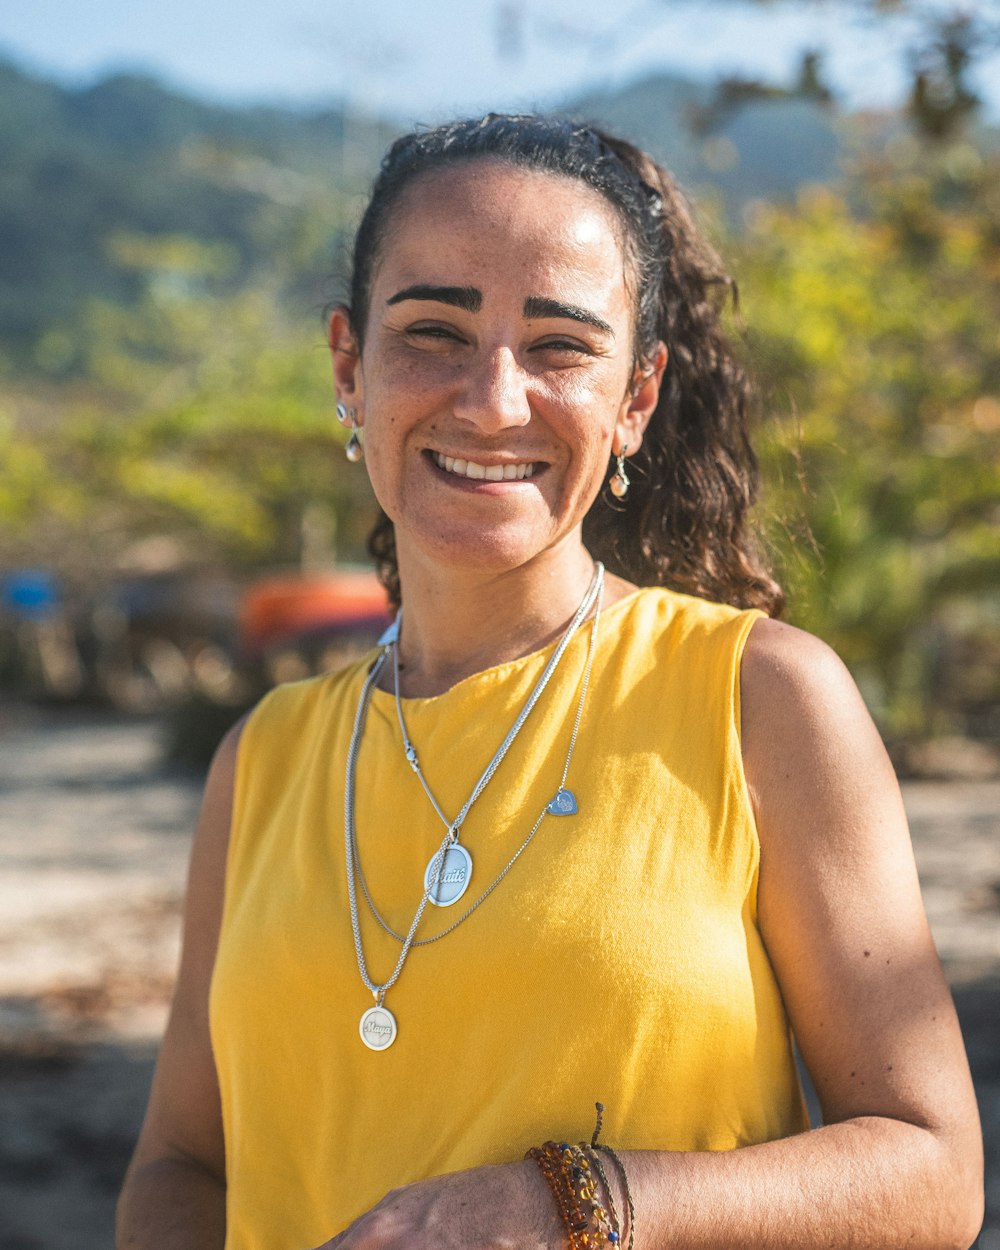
<point x="694" y="478"/>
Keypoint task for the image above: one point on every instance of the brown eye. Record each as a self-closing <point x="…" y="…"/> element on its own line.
<point x="564" y="346"/>
<point x="434" y="332"/>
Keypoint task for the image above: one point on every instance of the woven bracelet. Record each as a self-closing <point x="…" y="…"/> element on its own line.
<point x="613" y="1154"/>
<point x="569" y="1172"/>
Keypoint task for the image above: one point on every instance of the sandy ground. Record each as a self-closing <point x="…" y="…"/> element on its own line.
<point x="94" y="835"/>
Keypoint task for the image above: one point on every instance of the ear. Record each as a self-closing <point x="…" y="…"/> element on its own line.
<point x="348" y="381"/>
<point x="640" y="402"/>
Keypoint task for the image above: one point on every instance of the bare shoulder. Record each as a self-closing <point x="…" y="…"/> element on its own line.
<point x="807" y="735"/>
<point x="794" y="668"/>
<point x="220" y="784"/>
<point x="209" y="852"/>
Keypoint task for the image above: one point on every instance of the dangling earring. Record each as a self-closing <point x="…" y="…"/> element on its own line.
<point x="619" y="482"/>
<point x="354" y="451"/>
<point x="349" y="417"/>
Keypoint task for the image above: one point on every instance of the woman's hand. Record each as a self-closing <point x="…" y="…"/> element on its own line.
<point x="486" y="1208"/>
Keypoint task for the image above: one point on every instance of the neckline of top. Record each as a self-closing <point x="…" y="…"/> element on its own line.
<point x="497" y="672"/>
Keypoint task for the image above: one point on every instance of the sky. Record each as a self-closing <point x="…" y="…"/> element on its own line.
<point x="422" y="60"/>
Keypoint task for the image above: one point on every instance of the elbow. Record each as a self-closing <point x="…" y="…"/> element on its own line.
<point x="968" y="1217"/>
<point x="960" y="1194"/>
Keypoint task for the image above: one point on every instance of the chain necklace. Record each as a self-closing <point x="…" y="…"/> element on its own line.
<point x="456" y="871"/>
<point x="378" y="1025"/>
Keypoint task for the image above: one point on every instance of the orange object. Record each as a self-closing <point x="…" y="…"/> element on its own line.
<point x="277" y="609"/>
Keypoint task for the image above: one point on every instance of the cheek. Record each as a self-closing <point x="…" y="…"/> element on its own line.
<point x="588" y="411"/>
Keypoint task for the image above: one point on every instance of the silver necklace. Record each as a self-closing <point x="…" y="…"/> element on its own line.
<point x="377" y="1026"/>
<point x="456" y="871"/>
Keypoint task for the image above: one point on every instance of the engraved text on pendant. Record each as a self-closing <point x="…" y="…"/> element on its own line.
<point x="564" y="804"/>
<point x="454" y="876"/>
<point x="378" y="1028"/>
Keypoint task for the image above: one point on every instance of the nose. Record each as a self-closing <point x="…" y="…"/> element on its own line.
<point x="494" y="394"/>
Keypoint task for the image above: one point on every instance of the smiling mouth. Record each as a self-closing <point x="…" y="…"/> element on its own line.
<point x="483" y="472"/>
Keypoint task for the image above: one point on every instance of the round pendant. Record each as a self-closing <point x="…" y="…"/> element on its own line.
<point x="454" y="876"/>
<point x="378" y="1028"/>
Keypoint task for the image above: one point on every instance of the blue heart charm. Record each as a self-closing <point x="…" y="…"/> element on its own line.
<point x="564" y="804"/>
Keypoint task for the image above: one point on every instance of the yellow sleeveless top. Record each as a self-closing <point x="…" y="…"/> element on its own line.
<point x="619" y="960"/>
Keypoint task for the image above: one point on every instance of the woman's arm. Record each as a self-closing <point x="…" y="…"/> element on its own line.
<point x="174" y="1196"/>
<point x="898" y="1162"/>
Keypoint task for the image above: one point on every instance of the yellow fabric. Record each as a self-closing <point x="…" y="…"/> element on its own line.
<point x="619" y="960"/>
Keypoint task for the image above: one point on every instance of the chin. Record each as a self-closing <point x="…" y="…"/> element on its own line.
<point x="476" y="550"/>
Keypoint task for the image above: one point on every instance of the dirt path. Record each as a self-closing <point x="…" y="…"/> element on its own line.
<point x="93" y="845"/>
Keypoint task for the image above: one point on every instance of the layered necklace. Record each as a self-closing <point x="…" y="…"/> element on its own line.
<point x="450" y="868"/>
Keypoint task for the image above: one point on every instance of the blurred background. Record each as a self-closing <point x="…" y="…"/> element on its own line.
<point x="179" y="528"/>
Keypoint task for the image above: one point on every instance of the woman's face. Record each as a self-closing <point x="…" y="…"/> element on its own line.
<point x="497" y="370"/>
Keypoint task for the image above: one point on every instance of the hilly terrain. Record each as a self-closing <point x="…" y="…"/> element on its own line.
<point x="86" y="172"/>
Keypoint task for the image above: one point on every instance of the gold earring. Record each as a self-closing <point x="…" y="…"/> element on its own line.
<point x="619" y="482"/>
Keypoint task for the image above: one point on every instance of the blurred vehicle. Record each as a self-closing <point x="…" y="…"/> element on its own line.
<point x="147" y="642"/>
<point x="295" y="625"/>
<point x="39" y="654"/>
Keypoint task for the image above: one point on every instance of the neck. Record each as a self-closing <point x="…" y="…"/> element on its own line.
<point x="460" y="622"/>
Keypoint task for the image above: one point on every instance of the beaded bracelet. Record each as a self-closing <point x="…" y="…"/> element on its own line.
<point x="569" y="1173"/>
<point x="561" y="1192"/>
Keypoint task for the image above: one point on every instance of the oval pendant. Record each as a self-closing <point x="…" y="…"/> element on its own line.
<point x="454" y="876"/>
<point x="378" y="1028"/>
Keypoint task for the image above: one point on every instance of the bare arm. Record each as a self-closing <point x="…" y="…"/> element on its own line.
<point x="174" y="1196"/>
<point x="898" y="1162"/>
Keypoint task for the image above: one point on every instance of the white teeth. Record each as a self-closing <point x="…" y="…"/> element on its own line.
<point x="483" y="472"/>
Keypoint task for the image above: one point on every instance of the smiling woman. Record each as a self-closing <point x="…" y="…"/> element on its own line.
<point x="608" y="834"/>
<point x="507" y="344"/>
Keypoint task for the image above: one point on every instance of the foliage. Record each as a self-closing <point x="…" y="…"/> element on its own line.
<point x="176" y="384"/>
<point x="208" y="418"/>
<point x="877" y="338"/>
<point x="126" y="156"/>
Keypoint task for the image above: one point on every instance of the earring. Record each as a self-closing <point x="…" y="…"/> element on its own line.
<point x="619" y="482"/>
<point x="349" y="417"/>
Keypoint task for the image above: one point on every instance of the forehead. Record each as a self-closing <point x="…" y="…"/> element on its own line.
<point x="487" y="210"/>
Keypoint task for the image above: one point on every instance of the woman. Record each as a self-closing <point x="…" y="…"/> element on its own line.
<point x="561" y="840"/>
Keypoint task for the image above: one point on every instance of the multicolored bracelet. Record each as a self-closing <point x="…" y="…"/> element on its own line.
<point x="570" y="1178"/>
<point x="569" y="1170"/>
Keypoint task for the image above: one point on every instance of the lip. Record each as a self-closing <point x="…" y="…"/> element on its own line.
<point x="532" y="470"/>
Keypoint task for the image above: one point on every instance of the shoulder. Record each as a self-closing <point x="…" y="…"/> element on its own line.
<point x="672" y="616"/>
<point x="293" y="708"/>
<point x="786" y="671"/>
<point x="212" y="835"/>
<point x="813" y="758"/>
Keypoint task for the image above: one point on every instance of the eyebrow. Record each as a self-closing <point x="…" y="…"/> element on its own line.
<point x="470" y="299"/>
<point x="466" y="297"/>
<point x="536" y="306"/>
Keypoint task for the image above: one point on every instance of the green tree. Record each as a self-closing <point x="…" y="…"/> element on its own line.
<point x="876" y="335"/>
<point x="207" y="417"/>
